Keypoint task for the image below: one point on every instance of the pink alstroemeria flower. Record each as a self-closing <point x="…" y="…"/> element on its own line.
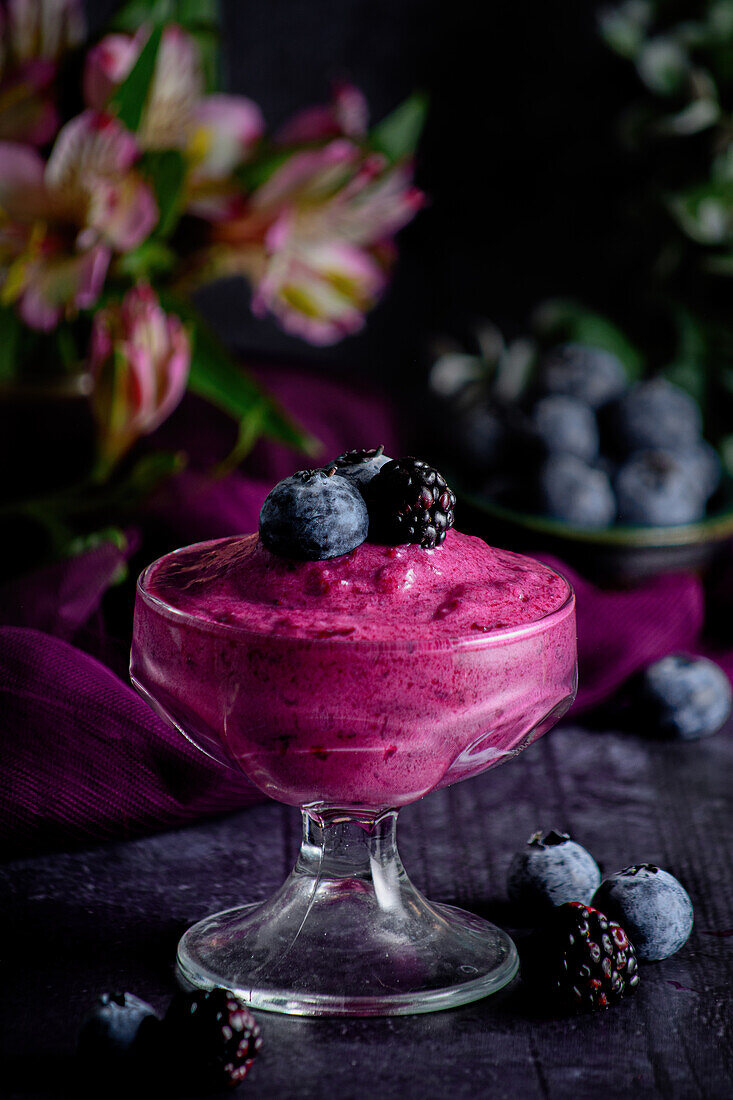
<point x="347" y="115"/>
<point x="34" y="34"/>
<point x="215" y="132"/>
<point x="314" y="240"/>
<point x="61" y="221"/>
<point x="140" y="358"/>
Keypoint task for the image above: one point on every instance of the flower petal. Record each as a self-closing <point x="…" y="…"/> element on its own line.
<point x="124" y="212"/>
<point x="346" y="115"/>
<point x="226" y="129"/>
<point x="310" y="175"/>
<point x="94" y="144"/>
<point x="320" y="293"/>
<point x="107" y="65"/>
<point x="44" y="28"/>
<point x="55" y="283"/>
<point x="178" y="85"/>
<point x="23" y="195"/>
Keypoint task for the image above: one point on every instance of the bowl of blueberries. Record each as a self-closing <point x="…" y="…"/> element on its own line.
<point x="613" y="474"/>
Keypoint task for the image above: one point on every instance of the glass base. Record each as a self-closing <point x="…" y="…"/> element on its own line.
<point x="348" y="935"/>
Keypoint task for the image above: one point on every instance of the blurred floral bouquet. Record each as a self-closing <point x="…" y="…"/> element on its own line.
<point x="110" y="218"/>
<point x="679" y="135"/>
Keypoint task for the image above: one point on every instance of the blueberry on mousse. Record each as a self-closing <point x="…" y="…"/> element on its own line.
<point x="655" y="909"/>
<point x="409" y="502"/>
<point x="313" y="515"/>
<point x="360" y="467"/>
<point x="551" y="870"/>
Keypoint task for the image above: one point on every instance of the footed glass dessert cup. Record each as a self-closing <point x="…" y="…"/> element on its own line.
<point x="349" y="730"/>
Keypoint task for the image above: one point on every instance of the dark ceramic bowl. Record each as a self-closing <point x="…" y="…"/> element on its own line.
<point x="611" y="555"/>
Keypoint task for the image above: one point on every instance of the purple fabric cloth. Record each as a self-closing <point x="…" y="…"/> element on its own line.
<point x="621" y="631"/>
<point x="83" y="759"/>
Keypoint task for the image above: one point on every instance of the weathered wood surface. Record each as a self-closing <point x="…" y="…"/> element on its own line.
<point x="109" y="918"/>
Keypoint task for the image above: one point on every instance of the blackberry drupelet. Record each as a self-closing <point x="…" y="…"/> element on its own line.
<point x="409" y="502"/>
<point x="586" y="961"/>
<point x="211" y="1039"/>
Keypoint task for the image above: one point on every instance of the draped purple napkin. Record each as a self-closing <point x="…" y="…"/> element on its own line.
<point x="83" y="759"/>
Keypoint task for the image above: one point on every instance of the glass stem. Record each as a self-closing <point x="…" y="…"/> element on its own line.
<point x="344" y="848"/>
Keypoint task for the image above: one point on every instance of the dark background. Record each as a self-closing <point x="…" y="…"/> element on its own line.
<point x="519" y="158"/>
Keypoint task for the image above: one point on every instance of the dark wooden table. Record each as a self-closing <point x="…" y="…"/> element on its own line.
<point x="109" y="918"/>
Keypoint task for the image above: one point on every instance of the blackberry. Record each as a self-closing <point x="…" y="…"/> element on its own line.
<point x="585" y="961"/>
<point x="409" y="502"/>
<point x="211" y="1039"/>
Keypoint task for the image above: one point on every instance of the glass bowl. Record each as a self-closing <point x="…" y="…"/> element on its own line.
<point x="349" y="731"/>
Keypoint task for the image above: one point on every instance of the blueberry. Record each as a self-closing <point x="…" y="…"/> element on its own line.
<point x="656" y="489"/>
<point x="113" y="1025"/>
<point x="654" y="415"/>
<point x="312" y="515"/>
<point x="683" y="697"/>
<point x="359" y="467"/>
<point x="589" y="374"/>
<point x="571" y="491"/>
<point x="651" y="906"/>
<point x="550" y="870"/>
<point x="479" y="435"/>
<point x="703" y="466"/>
<point x="566" y="426"/>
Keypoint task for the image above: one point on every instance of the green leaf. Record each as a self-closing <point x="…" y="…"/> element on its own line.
<point x="187" y="13"/>
<point x="397" y="135"/>
<point x="217" y="378"/>
<point x="624" y="27"/>
<point x="253" y="175"/>
<point x="689" y="366"/>
<point x="726" y="454"/>
<point x="150" y="259"/>
<point x="128" y="101"/>
<point x="10" y="329"/>
<point x="705" y="213"/>
<point x="558" y="321"/>
<point x="66" y="346"/>
<point x="166" y="171"/>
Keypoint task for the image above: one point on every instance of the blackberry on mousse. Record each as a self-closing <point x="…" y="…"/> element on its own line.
<point x="409" y="501"/>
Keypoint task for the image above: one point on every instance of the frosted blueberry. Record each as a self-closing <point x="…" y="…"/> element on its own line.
<point x="591" y="375"/>
<point x="651" y="905"/>
<point x="683" y="697"/>
<point x="654" y="415"/>
<point x="576" y="493"/>
<point x="112" y="1026"/>
<point x="313" y="515"/>
<point x="551" y="870"/>
<point x="360" y="467"/>
<point x="657" y="488"/>
<point x="566" y="426"/>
